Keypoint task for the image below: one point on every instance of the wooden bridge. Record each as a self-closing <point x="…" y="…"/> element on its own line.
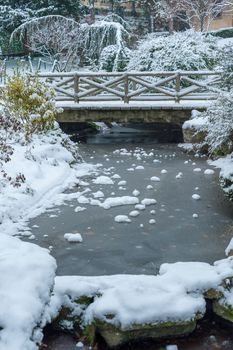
<point x="132" y="96"/>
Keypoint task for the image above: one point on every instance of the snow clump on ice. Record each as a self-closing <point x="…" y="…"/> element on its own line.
<point x="122" y="218"/>
<point x="73" y="237"/>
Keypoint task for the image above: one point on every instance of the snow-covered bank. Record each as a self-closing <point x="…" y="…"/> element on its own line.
<point x="49" y="168"/>
<point x="226" y="173"/>
<point x="122" y="304"/>
<point x="26" y="279"/>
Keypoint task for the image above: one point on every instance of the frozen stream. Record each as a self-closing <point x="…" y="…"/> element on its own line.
<point x="140" y="247"/>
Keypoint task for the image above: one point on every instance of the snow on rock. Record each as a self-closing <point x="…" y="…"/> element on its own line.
<point x="149" y="187"/>
<point x="27" y="275"/>
<point x="79" y="345"/>
<point x="163" y="171"/>
<point x="73" y="237"/>
<point x="195" y="216"/>
<point x="139" y="167"/>
<point x="209" y="172"/>
<point x="175" y="294"/>
<point x="197" y="122"/>
<point x="172" y="347"/>
<point x="196" y="196"/>
<point x="148" y="201"/>
<point x="155" y="178"/>
<point x="103" y="180"/>
<point x="122" y="218"/>
<point x="152" y="221"/>
<point x="118" y="201"/>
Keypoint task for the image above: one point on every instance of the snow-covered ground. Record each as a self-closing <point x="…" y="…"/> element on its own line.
<point x="26" y="279"/>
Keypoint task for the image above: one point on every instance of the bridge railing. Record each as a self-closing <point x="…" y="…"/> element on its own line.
<point x="134" y="86"/>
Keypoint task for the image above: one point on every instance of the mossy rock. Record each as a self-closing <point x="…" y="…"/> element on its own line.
<point x="65" y="315"/>
<point x="226" y="184"/>
<point x="223" y="310"/>
<point x="192" y="135"/>
<point x="115" y="336"/>
<point x="213" y="294"/>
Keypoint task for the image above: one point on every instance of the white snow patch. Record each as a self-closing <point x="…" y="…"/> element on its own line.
<point x="136" y="193"/>
<point x="134" y="213"/>
<point x="209" y="172"/>
<point x="118" y="201"/>
<point x="73" y="237"/>
<point x="103" y="180"/>
<point x="155" y="178"/>
<point x="196" y="196"/>
<point x="122" y="218"/>
<point x="79" y="209"/>
<point x="148" y="201"/>
<point x="98" y="194"/>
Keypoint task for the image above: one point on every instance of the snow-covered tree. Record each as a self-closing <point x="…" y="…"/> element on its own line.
<point x="181" y="51"/>
<point x="54" y="37"/>
<point x="200" y="13"/>
<point x="111" y="58"/>
<point x="169" y="10"/>
<point x="219" y="128"/>
<point x="102" y="34"/>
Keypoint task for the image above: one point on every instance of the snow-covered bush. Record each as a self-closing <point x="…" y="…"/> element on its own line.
<point x="219" y="126"/>
<point x="114" y="58"/>
<point x="9" y="127"/>
<point x="225" y="59"/>
<point x="30" y="101"/>
<point x="181" y="51"/>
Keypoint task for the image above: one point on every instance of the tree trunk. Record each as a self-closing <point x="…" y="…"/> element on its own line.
<point x="171" y="25"/>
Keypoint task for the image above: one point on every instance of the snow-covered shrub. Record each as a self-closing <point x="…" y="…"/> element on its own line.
<point x="219" y="126"/>
<point x="180" y="51"/>
<point x="9" y="127"/>
<point x="225" y="59"/>
<point x="114" y="58"/>
<point x="30" y="101"/>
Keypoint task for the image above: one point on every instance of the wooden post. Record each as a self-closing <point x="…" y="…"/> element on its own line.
<point x="177" y="87"/>
<point x="76" y="88"/>
<point x="126" y="82"/>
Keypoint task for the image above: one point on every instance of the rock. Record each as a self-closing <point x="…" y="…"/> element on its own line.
<point x="115" y="336"/>
<point x="213" y="294"/>
<point x="192" y="135"/>
<point x="223" y="310"/>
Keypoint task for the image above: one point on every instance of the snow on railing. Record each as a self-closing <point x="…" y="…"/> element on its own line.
<point x="134" y="86"/>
